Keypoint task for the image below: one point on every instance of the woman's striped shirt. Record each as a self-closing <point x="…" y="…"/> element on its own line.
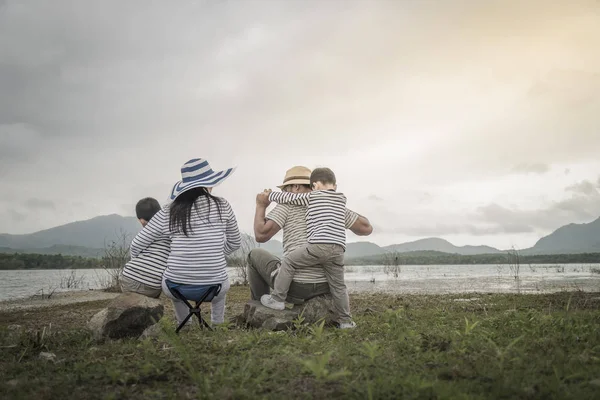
<point x="325" y="214"/>
<point x="198" y="258"/>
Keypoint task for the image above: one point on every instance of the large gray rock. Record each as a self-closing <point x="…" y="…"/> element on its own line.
<point x="128" y="315"/>
<point x="258" y="316"/>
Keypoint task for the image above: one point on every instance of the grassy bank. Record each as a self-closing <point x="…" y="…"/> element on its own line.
<point x="430" y="347"/>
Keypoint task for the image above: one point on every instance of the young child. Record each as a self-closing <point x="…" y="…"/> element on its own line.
<point x="325" y="221"/>
<point x="143" y="274"/>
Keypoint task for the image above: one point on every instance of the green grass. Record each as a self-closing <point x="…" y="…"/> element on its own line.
<point x="420" y="347"/>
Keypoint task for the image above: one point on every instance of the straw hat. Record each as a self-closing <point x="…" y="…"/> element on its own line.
<point x="297" y="175"/>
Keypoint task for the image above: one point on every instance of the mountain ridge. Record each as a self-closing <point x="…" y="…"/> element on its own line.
<point x="88" y="237"/>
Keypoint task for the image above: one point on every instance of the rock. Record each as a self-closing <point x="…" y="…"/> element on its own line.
<point x="128" y="315"/>
<point x="152" y="332"/>
<point x="258" y="316"/>
<point x="47" y="356"/>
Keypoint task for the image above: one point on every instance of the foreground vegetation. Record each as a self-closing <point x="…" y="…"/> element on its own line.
<point x="16" y="261"/>
<point x="430" y="347"/>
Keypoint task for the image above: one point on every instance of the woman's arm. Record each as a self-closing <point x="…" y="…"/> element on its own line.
<point x="233" y="239"/>
<point x="156" y="229"/>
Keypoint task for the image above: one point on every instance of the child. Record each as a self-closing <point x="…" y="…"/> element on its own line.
<point x="143" y="274"/>
<point x="325" y="221"/>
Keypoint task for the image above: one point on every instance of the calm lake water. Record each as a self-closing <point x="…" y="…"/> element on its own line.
<point x="410" y="279"/>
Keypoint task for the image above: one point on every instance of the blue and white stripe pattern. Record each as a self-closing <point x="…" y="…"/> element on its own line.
<point x="198" y="258"/>
<point x="325" y="214"/>
<point x="198" y="173"/>
<point x="149" y="265"/>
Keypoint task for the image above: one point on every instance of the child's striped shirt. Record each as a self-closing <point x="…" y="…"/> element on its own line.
<point x="325" y="214"/>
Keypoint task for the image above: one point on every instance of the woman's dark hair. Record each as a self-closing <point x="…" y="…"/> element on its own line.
<point x="180" y="210"/>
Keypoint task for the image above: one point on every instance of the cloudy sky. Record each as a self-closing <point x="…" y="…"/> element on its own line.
<point x="475" y="121"/>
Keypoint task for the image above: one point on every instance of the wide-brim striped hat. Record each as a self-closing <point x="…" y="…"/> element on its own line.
<point x="198" y="173"/>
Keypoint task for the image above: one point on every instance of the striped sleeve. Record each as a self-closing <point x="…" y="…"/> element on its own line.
<point x="156" y="229"/>
<point x="350" y="218"/>
<point x="298" y="199"/>
<point x="279" y="215"/>
<point x="233" y="239"/>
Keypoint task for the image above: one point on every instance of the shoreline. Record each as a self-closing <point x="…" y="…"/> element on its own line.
<point x="351" y="263"/>
<point x="57" y="299"/>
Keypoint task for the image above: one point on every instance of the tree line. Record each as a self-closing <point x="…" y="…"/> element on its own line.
<point x="46" y="261"/>
<point x="439" y="258"/>
<point x="58" y="261"/>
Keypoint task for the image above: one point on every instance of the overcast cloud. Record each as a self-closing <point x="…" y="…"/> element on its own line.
<point x="474" y="121"/>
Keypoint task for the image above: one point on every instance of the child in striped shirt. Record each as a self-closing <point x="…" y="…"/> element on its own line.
<point x="143" y="274"/>
<point x="325" y="221"/>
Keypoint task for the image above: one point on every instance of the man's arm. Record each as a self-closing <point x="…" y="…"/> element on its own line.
<point x="362" y="226"/>
<point x="264" y="229"/>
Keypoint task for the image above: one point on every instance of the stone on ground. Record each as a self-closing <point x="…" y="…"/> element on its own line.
<point x="258" y="316"/>
<point x="128" y="315"/>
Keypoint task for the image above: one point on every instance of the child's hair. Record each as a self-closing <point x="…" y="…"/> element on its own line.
<point x="146" y="208"/>
<point x="323" y="175"/>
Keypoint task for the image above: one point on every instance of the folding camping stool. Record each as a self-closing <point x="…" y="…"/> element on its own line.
<point x="196" y="293"/>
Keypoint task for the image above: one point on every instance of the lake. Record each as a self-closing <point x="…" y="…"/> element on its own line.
<point x="430" y="279"/>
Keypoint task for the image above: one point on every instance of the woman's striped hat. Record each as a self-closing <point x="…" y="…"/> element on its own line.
<point x="198" y="173"/>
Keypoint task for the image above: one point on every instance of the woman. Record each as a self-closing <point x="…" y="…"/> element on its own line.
<point x="203" y="230"/>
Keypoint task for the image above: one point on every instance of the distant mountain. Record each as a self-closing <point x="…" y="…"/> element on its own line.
<point x="365" y="249"/>
<point x="572" y="238"/>
<point x="92" y="233"/>
<point x="86" y="238"/>
<point x="362" y="249"/>
<point x="441" y="245"/>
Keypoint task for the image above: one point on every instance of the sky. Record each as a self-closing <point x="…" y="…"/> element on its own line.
<point x="477" y="122"/>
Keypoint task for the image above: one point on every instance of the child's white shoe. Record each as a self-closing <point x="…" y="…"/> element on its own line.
<point x="347" y="325"/>
<point x="268" y="301"/>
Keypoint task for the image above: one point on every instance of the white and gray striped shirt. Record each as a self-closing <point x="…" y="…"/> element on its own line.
<point x="325" y="214"/>
<point x="198" y="258"/>
<point x="149" y="265"/>
<point x="292" y="220"/>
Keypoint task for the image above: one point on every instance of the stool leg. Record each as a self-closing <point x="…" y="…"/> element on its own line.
<point x="184" y="322"/>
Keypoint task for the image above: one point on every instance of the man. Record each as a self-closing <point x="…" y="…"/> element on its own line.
<point x="264" y="267"/>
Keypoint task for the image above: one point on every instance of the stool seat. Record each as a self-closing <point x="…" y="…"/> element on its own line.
<point x="196" y="293"/>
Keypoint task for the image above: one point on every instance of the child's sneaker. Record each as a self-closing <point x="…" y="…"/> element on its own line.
<point x="268" y="301"/>
<point x="347" y="325"/>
